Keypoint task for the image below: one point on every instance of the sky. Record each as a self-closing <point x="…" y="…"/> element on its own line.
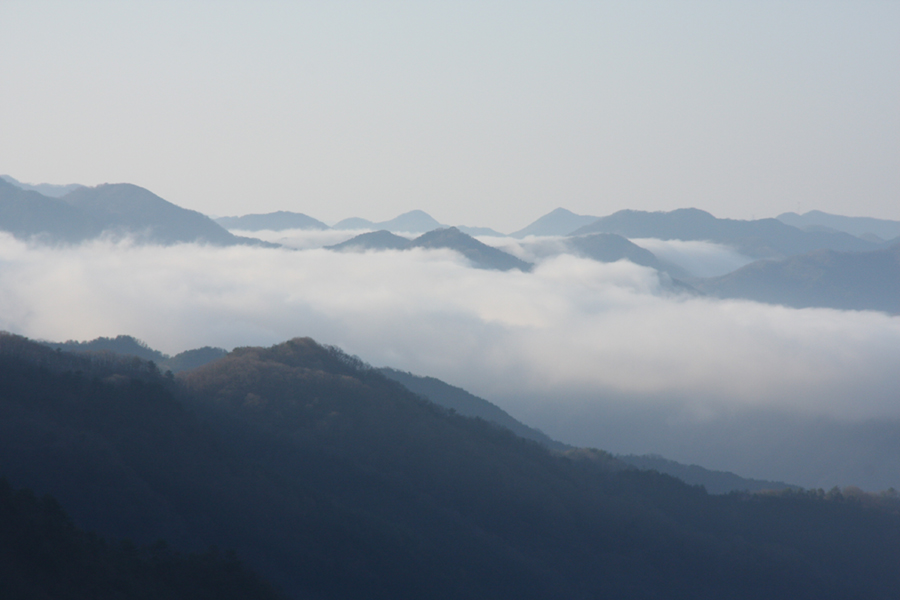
<point x="484" y="113"/>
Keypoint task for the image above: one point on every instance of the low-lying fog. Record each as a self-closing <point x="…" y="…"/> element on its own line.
<point x="571" y="346"/>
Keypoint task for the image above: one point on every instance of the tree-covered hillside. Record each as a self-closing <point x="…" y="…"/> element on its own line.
<point x="336" y="482"/>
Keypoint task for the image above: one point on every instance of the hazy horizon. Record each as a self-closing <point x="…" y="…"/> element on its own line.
<point x="488" y="114"/>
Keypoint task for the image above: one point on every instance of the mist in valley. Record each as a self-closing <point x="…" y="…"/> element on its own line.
<point x="607" y="355"/>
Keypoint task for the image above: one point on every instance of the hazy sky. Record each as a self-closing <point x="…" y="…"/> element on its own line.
<point x="481" y="113"/>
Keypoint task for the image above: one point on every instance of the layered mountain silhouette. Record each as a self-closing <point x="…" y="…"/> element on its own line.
<point x="824" y="278"/>
<point x="468" y="405"/>
<point x="865" y="227"/>
<point x="46" y="189"/>
<point x="334" y="481"/>
<point x="274" y="221"/>
<point x="110" y="209"/>
<point x="762" y="238"/>
<point x="126" y="345"/>
<point x="610" y="247"/>
<point x="715" y="482"/>
<point x="414" y="221"/>
<point x="557" y="222"/>
<point x="479" y="254"/>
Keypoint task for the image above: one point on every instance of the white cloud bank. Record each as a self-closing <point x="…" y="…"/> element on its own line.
<point x="571" y="328"/>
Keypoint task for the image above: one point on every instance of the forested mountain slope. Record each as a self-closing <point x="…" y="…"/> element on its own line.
<point x="336" y="482"/>
<point x="43" y="555"/>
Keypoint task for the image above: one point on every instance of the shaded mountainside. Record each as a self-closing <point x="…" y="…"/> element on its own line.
<point x="762" y="238"/>
<point x="825" y="278"/>
<point x="557" y="222"/>
<point x="43" y="555"/>
<point x="26" y="213"/>
<point x="110" y="209"/>
<point x="131" y="210"/>
<point x="468" y="405"/>
<point x="434" y="390"/>
<point x="715" y="482"/>
<point x="274" y="221"/>
<point x="479" y="254"/>
<point x="337" y="482"/>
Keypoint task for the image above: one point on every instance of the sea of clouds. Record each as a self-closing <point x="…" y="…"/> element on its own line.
<point x="571" y="328"/>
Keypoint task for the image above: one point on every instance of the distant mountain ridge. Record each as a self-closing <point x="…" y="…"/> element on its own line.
<point x="859" y="226"/>
<point x="762" y="238"/>
<point x="824" y="278"/>
<point x="110" y="209"/>
<point x="414" y="221"/>
<point x="481" y="255"/>
<point x="274" y="221"/>
<point x="557" y="222"/>
<point x="47" y="189"/>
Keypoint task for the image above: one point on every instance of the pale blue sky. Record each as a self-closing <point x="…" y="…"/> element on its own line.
<point x="481" y="113"/>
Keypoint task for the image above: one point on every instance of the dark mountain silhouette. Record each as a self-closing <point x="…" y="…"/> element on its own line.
<point x="110" y="209"/>
<point x="762" y="238"/>
<point x="557" y="222"/>
<point x="275" y="221"/>
<point x="414" y="221"/>
<point x="43" y="555"/>
<point x="468" y="405"/>
<point x="374" y="240"/>
<point x="480" y="255"/>
<point x="47" y="189"/>
<point x="715" y="482"/>
<point x="824" y="278"/>
<point x="859" y="226"/>
<point x="336" y="482"/>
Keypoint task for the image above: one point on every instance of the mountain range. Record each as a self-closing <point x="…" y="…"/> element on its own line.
<point x="332" y="480"/>
<point x="875" y="230"/>
<point x="761" y="238"/>
<point x="116" y="210"/>
<point x="819" y="266"/>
